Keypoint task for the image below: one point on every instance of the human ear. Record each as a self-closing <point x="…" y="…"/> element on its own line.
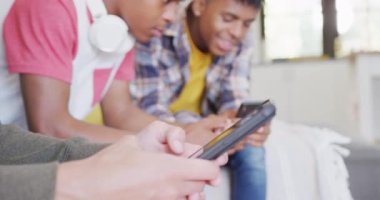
<point x="198" y="7"/>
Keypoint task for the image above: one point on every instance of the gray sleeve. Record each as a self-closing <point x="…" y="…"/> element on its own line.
<point x="18" y="146"/>
<point x="32" y="182"/>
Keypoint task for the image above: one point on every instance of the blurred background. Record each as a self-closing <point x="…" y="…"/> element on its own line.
<point x="319" y="62"/>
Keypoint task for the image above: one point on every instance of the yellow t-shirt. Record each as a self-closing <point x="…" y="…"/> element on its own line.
<point x="192" y="93"/>
<point x="95" y="117"/>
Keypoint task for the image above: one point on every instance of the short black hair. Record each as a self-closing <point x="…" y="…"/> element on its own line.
<point x="256" y="3"/>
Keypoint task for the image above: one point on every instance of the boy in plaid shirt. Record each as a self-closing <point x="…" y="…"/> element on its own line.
<point x="200" y="67"/>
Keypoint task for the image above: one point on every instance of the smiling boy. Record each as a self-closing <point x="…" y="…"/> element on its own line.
<point x="201" y="66"/>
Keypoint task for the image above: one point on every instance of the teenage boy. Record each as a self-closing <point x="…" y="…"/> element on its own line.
<point x="71" y="55"/>
<point x="201" y="66"/>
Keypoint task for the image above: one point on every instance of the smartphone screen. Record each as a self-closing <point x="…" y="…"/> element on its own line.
<point x="251" y="122"/>
<point x="218" y="138"/>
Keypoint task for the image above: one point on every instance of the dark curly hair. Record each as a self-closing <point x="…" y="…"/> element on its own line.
<point x="256" y="3"/>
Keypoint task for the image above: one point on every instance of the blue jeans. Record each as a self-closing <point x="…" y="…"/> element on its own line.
<point x="248" y="174"/>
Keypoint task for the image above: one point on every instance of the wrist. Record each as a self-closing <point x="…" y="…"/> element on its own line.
<point x="68" y="182"/>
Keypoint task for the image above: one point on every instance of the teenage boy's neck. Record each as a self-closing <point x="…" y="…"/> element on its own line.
<point x="195" y="33"/>
<point x="111" y="7"/>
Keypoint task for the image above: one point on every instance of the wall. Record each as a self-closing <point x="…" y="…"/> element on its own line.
<point x="320" y="93"/>
<point x="369" y="95"/>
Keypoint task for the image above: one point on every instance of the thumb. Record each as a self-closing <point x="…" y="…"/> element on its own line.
<point x="176" y="140"/>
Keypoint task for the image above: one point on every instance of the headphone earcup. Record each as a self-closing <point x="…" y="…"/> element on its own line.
<point x="109" y="33"/>
<point x="127" y="45"/>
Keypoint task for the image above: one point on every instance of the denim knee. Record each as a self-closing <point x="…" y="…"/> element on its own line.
<point x="249" y="157"/>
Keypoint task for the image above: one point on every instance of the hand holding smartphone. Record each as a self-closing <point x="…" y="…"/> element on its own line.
<point x="253" y="120"/>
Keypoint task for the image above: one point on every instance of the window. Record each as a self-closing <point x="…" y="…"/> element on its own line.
<point x="293" y="28"/>
<point x="358" y="26"/>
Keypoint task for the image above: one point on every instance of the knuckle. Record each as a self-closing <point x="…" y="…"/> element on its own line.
<point x="169" y="194"/>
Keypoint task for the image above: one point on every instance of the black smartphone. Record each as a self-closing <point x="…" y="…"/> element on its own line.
<point x="246" y="108"/>
<point x="237" y="132"/>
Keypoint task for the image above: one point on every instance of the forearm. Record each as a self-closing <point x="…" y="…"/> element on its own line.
<point x="94" y="133"/>
<point x="33" y="182"/>
<point x="18" y="146"/>
<point x="131" y="118"/>
<point x="46" y="105"/>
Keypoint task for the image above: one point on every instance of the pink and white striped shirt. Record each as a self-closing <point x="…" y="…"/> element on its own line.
<point x="50" y="38"/>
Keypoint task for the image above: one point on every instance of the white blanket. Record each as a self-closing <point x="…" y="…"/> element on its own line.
<point x="302" y="163"/>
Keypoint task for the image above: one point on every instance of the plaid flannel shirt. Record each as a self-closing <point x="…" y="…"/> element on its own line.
<point x="162" y="70"/>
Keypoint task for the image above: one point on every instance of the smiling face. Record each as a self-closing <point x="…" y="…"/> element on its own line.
<point x="221" y="24"/>
<point x="147" y="18"/>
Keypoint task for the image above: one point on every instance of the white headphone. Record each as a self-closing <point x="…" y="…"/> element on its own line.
<point x="108" y="33"/>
